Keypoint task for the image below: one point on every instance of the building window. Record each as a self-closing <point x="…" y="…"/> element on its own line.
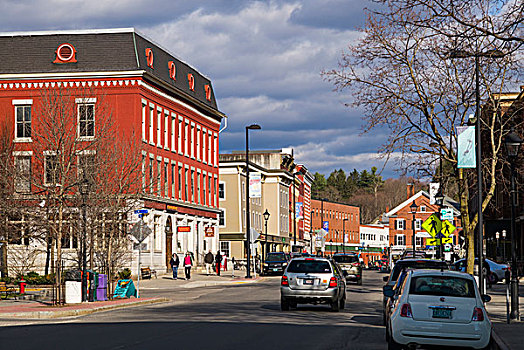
<point x="186" y="171"/>
<point x="186" y="140"/>
<point x="210" y="199"/>
<point x="23" y="174"/>
<point x="204" y="184"/>
<point x="86" y="120"/>
<point x="225" y="248"/>
<point x="179" y="182"/>
<point x="166" y="129"/>
<point x="86" y="167"/>
<point x="158" y="177"/>
<point x="192" y="186"/>
<point x="173" y="128"/>
<point x="166" y="180"/>
<point x="144" y="111"/>
<point x="158" y="128"/>
<point x="221" y="190"/>
<point x="400" y="240"/>
<point x="418" y="241"/>
<point x="215" y="150"/>
<point x="400" y="224"/>
<point x="151" y="118"/>
<point x="173" y="174"/>
<point x="418" y="224"/>
<point x="222" y="218"/>
<point x="423" y="208"/>
<point x="198" y="187"/>
<point x="198" y="144"/>
<point x="192" y="139"/>
<point x="143" y="172"/>
<point x="23" y="122"/>
<point x="179" y="136"/>
<point x="151" y="178"/>
<point x="51" y="169"/>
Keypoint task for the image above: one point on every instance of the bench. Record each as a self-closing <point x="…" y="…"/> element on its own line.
<point x="146" y="272"/>
<point x="7" y="290"/>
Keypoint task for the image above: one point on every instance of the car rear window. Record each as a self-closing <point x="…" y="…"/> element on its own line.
<point x="442" y="286"/>
<point x="309" y="266"/>
<point x="345" y="259"/>
<point x="276" y="257"/>
<point x="417" y="264"/>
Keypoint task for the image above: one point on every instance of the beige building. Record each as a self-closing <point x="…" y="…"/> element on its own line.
<point x="275" y="195"/>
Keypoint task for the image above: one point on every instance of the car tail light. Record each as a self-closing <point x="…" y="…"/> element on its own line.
<point x="355" y="264"/>
<point x="478" y="315"/>
<point x="333" y="282"/>
<point x="284" y="281"/>
<point x="309" y="259"/>
<point x="506" y="268"/>
<point x="405" y="311"/>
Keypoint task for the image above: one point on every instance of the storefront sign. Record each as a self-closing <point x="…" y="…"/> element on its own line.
<point x="209" y="231"/>
<point x="183" y="229"/>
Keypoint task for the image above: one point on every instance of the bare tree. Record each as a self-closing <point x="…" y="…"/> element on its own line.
<point x="400" y="73"/>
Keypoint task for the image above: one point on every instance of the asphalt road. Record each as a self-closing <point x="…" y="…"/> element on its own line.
<point x="241" y="316"/>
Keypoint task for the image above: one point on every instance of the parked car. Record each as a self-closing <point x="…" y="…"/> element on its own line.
<point x="383" y="265"/>
<point x="438" y="308"/>
<point x="498" y="270"/>
<point x="312" y="280"/>
<point x="351" y="267"/>
<point x="275" y="263"/>
<point x="417" y="255"/>
<point x="401" y="265"/>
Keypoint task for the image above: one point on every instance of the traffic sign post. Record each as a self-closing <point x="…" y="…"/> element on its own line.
<point x="432" y="225"/>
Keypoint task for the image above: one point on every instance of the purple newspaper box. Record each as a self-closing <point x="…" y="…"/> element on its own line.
<point x="101" y="291"/>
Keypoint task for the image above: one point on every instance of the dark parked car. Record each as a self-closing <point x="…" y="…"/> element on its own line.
<point x="275" y="263"/>
<point x="351" y="267"/>
<point x="405" y="264"/>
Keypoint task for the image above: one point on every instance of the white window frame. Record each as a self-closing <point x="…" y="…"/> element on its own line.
<point x="20" y="182"/>
<point x="223" y="211"/>
<point x="198" y="131"/>
<point x="215" y="150"/>
<point x="22" y="103"/>
<point x="397" y="239"/>
<point x="173" y="131"/>
<point x="151" y="123"/>
<point x="166" y="129"/>
<point x="159" y="127"/>
<point x="422" y="208"/>
<point x="224" y="191"/>
<point x="85" y="102"/>
<point x="400" y="224"/>
<point x="144" y="113"/>
<point x="192" y="141"/>
<point x="186" y="138"/>
<point x="47" y="154"/>
<point x="180" y="133"/>
<point x="418" y="224"/>
<point x="209" y="139"/>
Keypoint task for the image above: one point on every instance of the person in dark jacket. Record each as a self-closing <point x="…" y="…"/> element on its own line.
<point x="218" y="261"/>
<point x="208" y="260"/>
<point x="175" y="262"/>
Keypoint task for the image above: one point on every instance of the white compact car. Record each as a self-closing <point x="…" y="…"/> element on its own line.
<point x="441" y="308"/>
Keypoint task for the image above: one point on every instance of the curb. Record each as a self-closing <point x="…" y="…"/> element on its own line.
<point x="78" y="312"/>
<point x="500" y="344"/>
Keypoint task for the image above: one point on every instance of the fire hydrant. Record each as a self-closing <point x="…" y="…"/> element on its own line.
<point x="22" y="283"/>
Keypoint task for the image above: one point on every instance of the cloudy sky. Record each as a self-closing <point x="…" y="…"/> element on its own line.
<point x="263" y="57"/>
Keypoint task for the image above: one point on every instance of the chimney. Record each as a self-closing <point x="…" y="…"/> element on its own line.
<point x="410" y="190"/>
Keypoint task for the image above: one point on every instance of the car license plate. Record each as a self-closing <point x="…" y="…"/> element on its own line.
<point x="308" y="281"/>
<point x="441" y="313"/>
<point x="275" y="269"/>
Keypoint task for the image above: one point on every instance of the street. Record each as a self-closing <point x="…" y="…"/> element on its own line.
<point x="220" y="317"/>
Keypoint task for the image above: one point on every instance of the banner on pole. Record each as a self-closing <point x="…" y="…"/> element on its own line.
<point x="433" y="190"/>
<point x="466" y="147"/>
<point x="255" y="185"/>
<point x="299" y="210"/>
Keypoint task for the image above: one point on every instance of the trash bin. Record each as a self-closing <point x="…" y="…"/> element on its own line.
<point x="101" y="290"/>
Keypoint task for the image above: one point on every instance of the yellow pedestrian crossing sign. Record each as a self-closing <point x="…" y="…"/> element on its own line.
<point x="447" y="240"/>
<point x="433" y="241"/>
<point x="432" y="225"/>
<point x="447" y="228"/>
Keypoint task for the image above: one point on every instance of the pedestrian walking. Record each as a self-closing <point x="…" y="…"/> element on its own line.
<point x="208" y="260"/>
<point x="175" y="262"/>
<point x="188" y="262"/>
<point x="218" y="261"/>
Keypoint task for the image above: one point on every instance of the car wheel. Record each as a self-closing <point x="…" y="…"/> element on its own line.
<point x="393" y="345"/>
<point x="284" y="304"/>
<point x="293" y="304"/>
<point x="335" y="306"/>
<point x="387" y="329"/>
<point x="384" y="320"/>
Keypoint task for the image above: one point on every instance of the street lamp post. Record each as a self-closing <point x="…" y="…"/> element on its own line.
<point x="480" y="222"/>
<point x="248" y="223"/>
<point x="413" y="207"/>
<point x="264" y="251"/>
<point x="513" y="142"/>
<point x="84" y="190"/>
<point x="331" y="246"/>
<point x="344" y="235"/>
<point x="504" y="245"/>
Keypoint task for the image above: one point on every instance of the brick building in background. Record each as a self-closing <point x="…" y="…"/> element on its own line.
<point x="157" y="101"/>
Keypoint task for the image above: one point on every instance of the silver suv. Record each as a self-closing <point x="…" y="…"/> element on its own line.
<point x="312" y="280"/>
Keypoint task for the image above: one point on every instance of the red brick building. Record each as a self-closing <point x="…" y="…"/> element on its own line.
<point x="161" y="102"/>
<point x="342" y="219"/>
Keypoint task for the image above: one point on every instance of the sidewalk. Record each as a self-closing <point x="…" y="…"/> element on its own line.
<point x="32" y="309"/>
<point x="506" y="336"/>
